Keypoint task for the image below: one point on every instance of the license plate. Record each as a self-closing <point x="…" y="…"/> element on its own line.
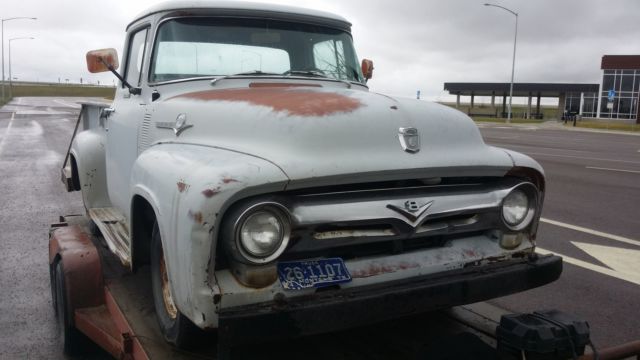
<point x="295" y="275"/>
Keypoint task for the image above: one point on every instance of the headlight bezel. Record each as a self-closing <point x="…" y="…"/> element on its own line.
<point x="274" y="209"/>
<point x="532" y="194"/>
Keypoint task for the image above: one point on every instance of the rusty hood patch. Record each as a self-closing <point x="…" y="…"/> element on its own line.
<point x="295" y="101"/>
<point x="330" y="135"/>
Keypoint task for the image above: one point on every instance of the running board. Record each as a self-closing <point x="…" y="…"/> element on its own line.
<point x="115" y="231"/>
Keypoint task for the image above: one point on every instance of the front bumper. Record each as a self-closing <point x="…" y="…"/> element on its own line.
<point x="337" y="309"/>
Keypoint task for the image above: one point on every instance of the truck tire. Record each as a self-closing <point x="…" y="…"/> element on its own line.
<point x="73" y="342"/>
<point x="176" y="328"/>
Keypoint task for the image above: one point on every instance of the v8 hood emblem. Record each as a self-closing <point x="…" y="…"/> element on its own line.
<point x="179" y="126"/>
<point x="411" y="210"/>
<point x="409" y="139"/>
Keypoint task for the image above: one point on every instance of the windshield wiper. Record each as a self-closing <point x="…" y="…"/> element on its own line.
<point x="248" y="73"/>
<point x="315" y="73"/>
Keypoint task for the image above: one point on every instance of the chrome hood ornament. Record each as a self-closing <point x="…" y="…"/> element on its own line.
<point x="409" y="139"/>
<point x="179" y="126"/>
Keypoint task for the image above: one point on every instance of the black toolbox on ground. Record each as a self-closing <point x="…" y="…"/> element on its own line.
<point x="541" y="335"/>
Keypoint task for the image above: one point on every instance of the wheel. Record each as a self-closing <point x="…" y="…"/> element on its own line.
<point x="93" y="228"/>
<point x="73" y="342"/>
<point x="176" y="328"/>
<point x="52" y="282"/>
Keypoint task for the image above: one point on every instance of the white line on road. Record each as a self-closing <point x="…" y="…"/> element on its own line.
<point x="586" y="158"/>
<point x="591" y="232"/>
<point x="597" y="268"/>
<point x="609" y="169"/>
<point x="67" y="104"/>
<point x="6" y="133"/>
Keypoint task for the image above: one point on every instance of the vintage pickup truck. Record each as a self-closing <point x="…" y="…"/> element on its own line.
<point x="244" y="159"/>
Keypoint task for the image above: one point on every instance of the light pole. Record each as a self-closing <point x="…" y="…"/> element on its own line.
<point x="10" y="79"/>
<point x="513" y="63"/>
<point x="2" y="36"/>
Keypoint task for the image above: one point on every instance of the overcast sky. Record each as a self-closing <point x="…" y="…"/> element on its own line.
<point x="414" y="44"/>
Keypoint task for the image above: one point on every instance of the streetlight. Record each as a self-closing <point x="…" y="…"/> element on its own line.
<point x="2" y="35"/>
<point x="513" y="63"/>
<point x="10" y="79"/>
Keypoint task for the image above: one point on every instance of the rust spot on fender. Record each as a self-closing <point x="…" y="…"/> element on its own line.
<point x="196" y="216"/>
<point x="382" y="268"/>
<point x="182" y="186"/>
<point x="293" y="101"/>
<point x="209" y="193"/>
<point x="228" y="180"/>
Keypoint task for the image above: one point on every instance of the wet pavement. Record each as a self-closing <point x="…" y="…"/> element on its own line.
<point x="34" y="136"/>
<point x="593" y="182"/>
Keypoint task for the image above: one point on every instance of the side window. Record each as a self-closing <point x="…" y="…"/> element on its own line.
<point x="135" y="56"/>
<point x="328" y="56"/>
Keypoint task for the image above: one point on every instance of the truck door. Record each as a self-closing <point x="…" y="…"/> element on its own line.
<point x="122" y="125"/>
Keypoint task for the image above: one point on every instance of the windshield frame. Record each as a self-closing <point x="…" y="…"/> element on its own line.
<point x="156" y="31"/>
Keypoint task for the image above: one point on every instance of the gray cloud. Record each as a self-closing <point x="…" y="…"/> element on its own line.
<point x="414" y="44"/>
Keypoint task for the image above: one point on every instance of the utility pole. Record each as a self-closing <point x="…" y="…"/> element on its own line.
<point x="2" y="36"/>
<point x="513" y="62"/>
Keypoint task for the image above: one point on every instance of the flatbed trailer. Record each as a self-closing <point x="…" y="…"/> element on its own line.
<point x="97" y="299"/>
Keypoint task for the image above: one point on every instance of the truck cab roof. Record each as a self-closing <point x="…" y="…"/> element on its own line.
<point x="242" y="8"/>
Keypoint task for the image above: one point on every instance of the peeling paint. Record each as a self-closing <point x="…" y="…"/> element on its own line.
<point x="182" y="186"/>
<point x="293" y="101"/>
<point x="378" y="268"/>
<point x="196" y="216"/>
<point x="228" y="180"/>
<point x="470" y="253"/>
<point x="209" y="193"/>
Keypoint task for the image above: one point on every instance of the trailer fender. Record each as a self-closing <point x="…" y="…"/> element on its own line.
<point x="81" y="266"/>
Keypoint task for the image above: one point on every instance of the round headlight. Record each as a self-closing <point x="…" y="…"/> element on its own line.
<point x="519" y="207"/>
<point x="262" y="234"/>
<point x="515" y="207"/>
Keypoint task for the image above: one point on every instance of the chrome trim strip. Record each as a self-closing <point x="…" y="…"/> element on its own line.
<point x="321" y="212"/>
<point x="345" y="233"/>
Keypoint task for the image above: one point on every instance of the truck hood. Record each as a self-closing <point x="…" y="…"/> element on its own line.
<point x="328" y="135"/>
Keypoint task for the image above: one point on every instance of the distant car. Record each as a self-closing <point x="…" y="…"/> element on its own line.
<point x="244" y="158"/>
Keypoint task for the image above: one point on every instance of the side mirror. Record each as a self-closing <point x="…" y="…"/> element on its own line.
<point x="107" y="60"/>
<point x="102" y="60"/>
<point x="367" y="68"/>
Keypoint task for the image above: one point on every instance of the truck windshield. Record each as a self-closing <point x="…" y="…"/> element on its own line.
<point x="200" y="47"/>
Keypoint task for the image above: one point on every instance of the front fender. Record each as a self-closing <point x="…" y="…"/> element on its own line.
<point x="190" y="187"/>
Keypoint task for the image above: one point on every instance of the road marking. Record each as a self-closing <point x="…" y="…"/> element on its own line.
<point x="582" y="157"/>
<point x="589" y="266"/>
<point x="592" y="232"/>
<point x="608" y="169"/>
<point x="6" y="133"/>
<point x="626" y="261"/>
<point x="67" y="104"/>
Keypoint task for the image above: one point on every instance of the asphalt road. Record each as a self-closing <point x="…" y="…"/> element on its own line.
<point x="593" y="183"/>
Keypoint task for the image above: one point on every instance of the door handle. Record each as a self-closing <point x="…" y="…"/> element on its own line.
<point x="106" y="112"/>
<point x="104" y="115"/>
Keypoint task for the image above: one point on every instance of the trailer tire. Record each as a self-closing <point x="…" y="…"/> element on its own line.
<point x="52" y="282"/>
<point x="73" y="342"/>
<point x="176" y="328"/>
<point x="94" y="229"/>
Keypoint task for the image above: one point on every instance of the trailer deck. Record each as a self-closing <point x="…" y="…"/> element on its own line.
<point x="114" y="308"/>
